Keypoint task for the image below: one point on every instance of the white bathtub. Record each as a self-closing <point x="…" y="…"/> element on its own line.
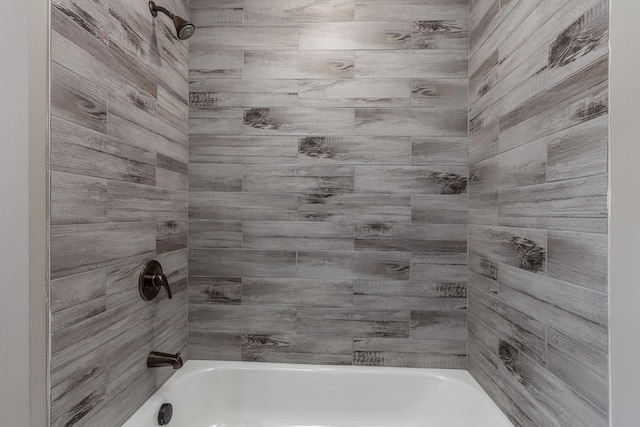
<point x="242" y="394"/>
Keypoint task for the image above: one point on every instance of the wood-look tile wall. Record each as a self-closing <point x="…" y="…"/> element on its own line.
<point x="119" y="153"/>
<point x="538" y="292"/>
<point x="328" y="182"/>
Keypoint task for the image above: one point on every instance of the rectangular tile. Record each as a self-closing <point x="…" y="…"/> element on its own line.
<point x="579" y="151"/>
<point x="521" y="248"/>
<point x="348" y="322"/>
<point x="78" y="100"/>
<point x="243" y="319"/>
<point x="171" y="173"/>
<point x="242" y="149"/>
<point x="414" y="295"/>
<point x="353" y="265"/>
<point x="323" y="350"/>
<point x="70" y="291"/>
<point x="243" y="206"/>
<point x="297" y="292"/>
<point x="354" y="207"/>
<point x="76" y="149"/>
<point x="572" y="205"/>
<point x="77" y="199"/>
<point x="411" y="122"/>
<point x="133" y="202"/>
<point x="355" y="35"/>
<point x="399" y="12"/>
<point x="299" y="65"/>
<point x="437" y="238"/>
<point x="448" y="180"/>
<point x="243" y="93"/>
<point x="297" y="235"/>
<point x="215" y="177"/>
<point x="215" y="290"/>
<point x="411" y="64"/>
<point x="218" y="65"/>
<point x="397" y="352"/>
<point x="215" y="234"/>
<point x="579" y="258"/>
<point x="354" y="150"/>
<point x="439" y="324"/>
<point x="438" y="34"/>
<point x="439" y="151"/>
<point x="209" y="15"/>
<point x="78" y="248"/>
<point x="451" y="267"/>
<point x="299" y="121"/>
<point x="355" y="93"/>
<point x="171" y="235"/>
<point x="297" y="179"/>
<point x="215" y="121"/>
<point x="238" y="38"/>
<point x="204" y="345"/>
<point x="439" y="93"/>
<point x="258" y="11"/>
<point x="241" y="263"/>
<point x="439" y="209"/>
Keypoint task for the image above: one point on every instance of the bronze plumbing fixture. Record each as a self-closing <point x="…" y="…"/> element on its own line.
<point x="184" y="28"/>
<point x="151" y="280"/>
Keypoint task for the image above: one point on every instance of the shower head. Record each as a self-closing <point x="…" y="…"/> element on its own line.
<point x="184" y="28"/>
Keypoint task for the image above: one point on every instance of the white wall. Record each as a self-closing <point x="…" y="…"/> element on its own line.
<point x="14" y="216"/>
<point x="625" y="214"/>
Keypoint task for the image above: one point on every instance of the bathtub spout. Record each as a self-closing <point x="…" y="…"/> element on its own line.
<point x="158" y="360"/>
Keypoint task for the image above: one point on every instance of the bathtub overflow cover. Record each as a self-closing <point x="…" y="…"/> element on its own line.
<point x="165" y="414"/>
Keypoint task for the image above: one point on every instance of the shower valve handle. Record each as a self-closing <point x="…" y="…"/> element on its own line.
<point x="160" y="280"/>
<point x="151" y="280"/>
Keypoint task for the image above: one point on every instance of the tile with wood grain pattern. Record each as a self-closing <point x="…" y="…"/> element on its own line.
<point x="297" y="179"/>
<point x="413" y="295"/>
<point x="242" y="262"/>
<point x="299" y="65"/>
<point x="242" y="319"/>
<point x="297" y="292"/>
<point x="411" y="179"/>
<point x="354" y="207"/>
<point x="354" y="150"/>
<point x="423" y="238"/>
<point x="353" y="265"/>
<point x="355" y="93"/>
<point x="321" y="350"/>
<point x="410" y="64"/>
<point x="397" y="352"/>
<point x="297" y="235"/>
<point x="299" y="121"/>
<point x="355" y="35"/>
<point x="287" y="11"/>
<point x="243" y="206"/>
<point x="353" y="322"/>
<point x="242" y="149"/>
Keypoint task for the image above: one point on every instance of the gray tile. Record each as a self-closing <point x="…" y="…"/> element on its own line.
<point x="297" y="179"/>
<point x="284" y="11"/>
<point x="446" y="180"/>
<point x="238" y="38"/>
<point x="77" y="199"/>
<point x="215" y="177"/>
<point x="215" y="290"/>
<point x="242" y="149"/>
<point x="439" y="209"/>
<point x="439" y="324"/>
<point x="354" y="207"/>
<point x="218" y="65"/>
<point x="393" y="11"/>
<point x="355" y="93"/>
<point x="297" y="292"/>
<point x="354" y="150"/>
<point x="411" y="64"/>
<point x="415" y="295"/>
<point x="242" y="319"/>
<point x="297" y="235"/>
<point x="297" y="349"/>
<point x="432" y="34"/>
<point x="348" y="322"/>
<point x="440" y="93"/>
<point x="215" y="93"/>
<point x="424" y="238"/>
<point x="299" y="121"/>
<point x="411" y="122"/>
<point x="299" y="65"/>
<point x="394" y="352"/>
<point x="355" y="35"/>
<point x="223" y="206"/>
<point x="353" y="265"/>
<point x="215" y="234"/>
<point x="439" y="151"/>
<point x="241" y="263"/>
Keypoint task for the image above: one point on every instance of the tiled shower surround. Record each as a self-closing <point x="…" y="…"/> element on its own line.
<point x="538" y="286"/>
<point x="328" y="182"/>
<point x="119" y="157"/>
<point x="416" y="183"/>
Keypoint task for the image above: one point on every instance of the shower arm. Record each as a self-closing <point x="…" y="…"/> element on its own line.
<point x="155" y="9"/>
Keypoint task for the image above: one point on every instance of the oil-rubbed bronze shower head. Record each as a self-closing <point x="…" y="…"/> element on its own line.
<point x="184" y="28"/>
